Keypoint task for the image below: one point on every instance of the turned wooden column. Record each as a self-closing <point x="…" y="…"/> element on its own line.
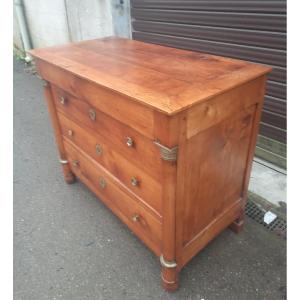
<point x="166" y="132"/>
<point x="68" y="174"/>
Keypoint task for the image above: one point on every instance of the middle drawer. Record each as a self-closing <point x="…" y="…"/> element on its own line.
<point x="136" y="147"/>
<point x="139" y="182"/>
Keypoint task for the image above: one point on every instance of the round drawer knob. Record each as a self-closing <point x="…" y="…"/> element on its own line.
<point x="135" y="218"/>
<point x="70" y="132"/>
<point x="129" y="142"/>
<point x="63" y="100"/>
<point x="102" y="183"/>
<point x="98" y="149"/>
<point x="92" y="114"/>
<point x="134" y="181"/>
<point x="75" y="163"/>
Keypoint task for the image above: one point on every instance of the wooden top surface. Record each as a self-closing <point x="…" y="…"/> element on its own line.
<point x="166" y="79"/>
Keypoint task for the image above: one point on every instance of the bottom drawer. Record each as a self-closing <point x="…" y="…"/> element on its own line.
<point x="141" y="221"/>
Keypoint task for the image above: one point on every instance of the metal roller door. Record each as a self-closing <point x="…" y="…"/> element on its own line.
<point x="252" y="30"/>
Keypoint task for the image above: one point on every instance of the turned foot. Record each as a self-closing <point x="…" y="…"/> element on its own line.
<point x="169" y="275"/>
<point x="169" y="286"/>
<point x="69" y="177"/>
<point x="237" y="225"/>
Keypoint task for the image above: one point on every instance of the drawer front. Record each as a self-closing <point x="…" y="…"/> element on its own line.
<point x="114" y="104"/>
<point x="138" y="149"/>
<point x="145" y="224"/>
<point x="138" y="181"/>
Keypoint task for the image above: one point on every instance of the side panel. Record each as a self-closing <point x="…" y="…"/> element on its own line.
<point x="214" y="167"/>
<point x="223" y="106"/>
<point x="215" y="171"/>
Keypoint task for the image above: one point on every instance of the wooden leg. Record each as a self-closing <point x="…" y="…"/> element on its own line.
<point x="238" y="224"/>
<point x="169" y="279"/>
<point x="68" y="174"/>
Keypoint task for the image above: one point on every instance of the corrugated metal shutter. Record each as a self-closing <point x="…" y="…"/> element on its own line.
<point x="252" y="30"/>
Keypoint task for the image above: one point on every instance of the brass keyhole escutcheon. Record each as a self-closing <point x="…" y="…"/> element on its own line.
<point x="75" y="163"/>
<point x="134" y="181"/>
<point x="129" y="142"/>
<point x="92" y="114"/>
<point x="63" y="100"/>
<point x="102" y="183"/>
<point x="99" y="150"/>
<point x="135" y="218"/>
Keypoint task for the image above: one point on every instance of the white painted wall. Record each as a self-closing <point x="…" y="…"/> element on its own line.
<point x="57" y="22"/>
<point x="89" y="19"/>
<point x="47" y="22"/>
<point x="121" y="18"/>
<point x="18" y="44"/>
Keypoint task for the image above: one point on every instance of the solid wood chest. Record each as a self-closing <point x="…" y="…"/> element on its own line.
<point x="164" y="137"/>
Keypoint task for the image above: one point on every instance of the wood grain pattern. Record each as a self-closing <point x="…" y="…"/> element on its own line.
<point x="207" y="108"/>
<point x="218" y="166"/>
<point x="147" y="227"/>
<point x="143" y="153"/>
<point x="254" y="133"/>
<point x="213" y="171"/>
<point x="210" y="231"/>
<point x="110" y="102"/>
<point x="223" y="106"/>
<point x="166" y="79"/>
<point x="166" y="131"/>
<point x="148" y="189"/>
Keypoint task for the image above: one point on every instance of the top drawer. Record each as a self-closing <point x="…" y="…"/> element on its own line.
<point x="112" y="103"/>
<point x="136" y="147"/>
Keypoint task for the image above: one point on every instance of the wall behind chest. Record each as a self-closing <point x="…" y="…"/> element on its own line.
<point x="63" y="21"/>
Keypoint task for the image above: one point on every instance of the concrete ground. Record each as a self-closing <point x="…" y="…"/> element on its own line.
<point x="67" y="245"/>
<point x="268" y="183"/>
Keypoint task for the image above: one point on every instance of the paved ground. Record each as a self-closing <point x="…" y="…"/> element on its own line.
<point x="67" y="245"/>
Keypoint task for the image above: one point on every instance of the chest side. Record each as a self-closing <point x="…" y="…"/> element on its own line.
<point x="216" y="151"/>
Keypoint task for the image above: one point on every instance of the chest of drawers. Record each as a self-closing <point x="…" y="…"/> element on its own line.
<point x="164" y="137"/>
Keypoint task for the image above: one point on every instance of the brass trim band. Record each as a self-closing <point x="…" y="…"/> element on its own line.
<point x="166" y="281"/>
<point x="168" y="154"/>
<point x="167" y="264"/>
<point x="63" y="161"/>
